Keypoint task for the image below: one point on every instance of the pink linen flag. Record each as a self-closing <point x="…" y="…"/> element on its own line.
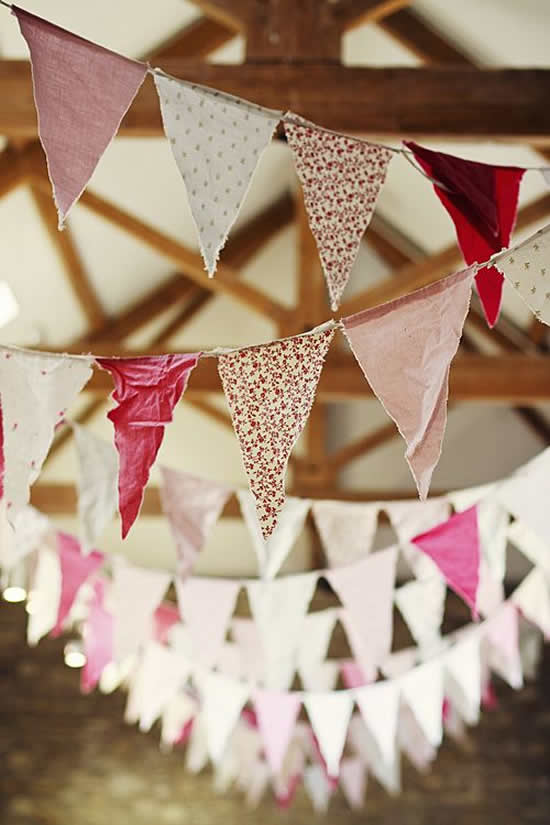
<point x="193" y="506"/>
<point x="341" y="178"/>
<point x="146" y="391"/>
<point x="455" y="547"/>
<point x="270" y="391"/>
<point x="75" y="569"/>
<point x="276" y="713"/>
<point x="206" y="606"/>
<point x="81" y="91"/>
<point x="98" y="640"/>
<point x="405" y="348"/>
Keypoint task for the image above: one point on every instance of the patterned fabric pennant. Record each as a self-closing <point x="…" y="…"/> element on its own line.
<point x="223" y="700"/>
<point x="75" y="569"/>
<point x="405" y="348"/>
<point x="379" y="707"/>
<point x="341" y="178"/>
<point x="146" y="391"/>
<point x="81" y="91"/>
<point x="217" y="141"/>
<point x="277" y="714"/>
<point x="527" y="268"/>
<point x="97" y="484"/>
<point x="97" y="636"/>
<point x="35" y="391"/>
<point x="270" y="391"/>
<point x="193" y="506"/>
<point x="347" y="529"/>
<point x="421" y="604"/>
<point x="329" y="714"/>
<point x="206" y="606"/>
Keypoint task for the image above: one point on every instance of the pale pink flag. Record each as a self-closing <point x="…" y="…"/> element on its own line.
<point x="97" y="636"/>
<point x="455" y="547"/>
<point x="405" y="348"/>
<point x="75" y="569"/>
<point x="276" y="713"/>
<point x="81" y="91"/>
<point x="532" y="598"/>
<point x="347" y="529"/>
<point x="270" y="391"/>
<point x="366" y="590"/>
<point x="206" y="606"/>
<point x="502" y="634"/>
<point x="193" y="505"/>
<point x="341" y="178"/>
<point x="353" y="781"/>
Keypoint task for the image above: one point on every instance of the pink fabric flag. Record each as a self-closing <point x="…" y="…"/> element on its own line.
<point x="164" y="618"/>
<point x="276" y="713"/>
<point x="98" y="640"/>
<point x="146" y="391"/>
<point x="455" y="547"/>
<point x="270" y="390"/>
<point x="341" y="178"/>
<point x="75" y="569"/>
<point x="81" y="91"/>
<point x="193" y="506"/>
<point x="206" y="606"/>
<point x="405" y="348"/>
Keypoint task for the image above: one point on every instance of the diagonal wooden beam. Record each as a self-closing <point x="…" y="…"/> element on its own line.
<point x="354" y="13"/>
<point x="11" y="172"/>
<point x="419" y="37"/>
<point x="199" y="38"/>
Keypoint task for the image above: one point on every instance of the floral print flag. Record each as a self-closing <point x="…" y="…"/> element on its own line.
<point x="270" y="390"/>
<point x="527" y="268"/>
<point x="341" y="178"/>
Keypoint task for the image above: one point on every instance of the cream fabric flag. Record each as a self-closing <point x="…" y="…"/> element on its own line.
<point x="387" y="773"/>
<point x="217" y="141"/>
<point x="329" y="714"/>
<point x="196" y="756"/>
<point x="379" y="707"/>
<point x="247" y="638"/>
<point x="318" y="788"/>
<point x="501" y="633"/>
<point x="321" y="677"/>
<point x="532" y="598"/>
<point x="409" y="519"/>
<point x="525" y="495"/>
<point x="35" y="391"/>
<point x="422" y="690"/>
<point x="353" y="781"/>
<point x="44" y="596"/>
<point x="222" y="702"/>
<point x="178" y="713"/>
<point x="463" y="677"/>
<point x="422" y="603"/>
<point x="412" y="741"/>
<point x="162" y="673"/>
<point x="97" y="485"/>
<point x="347" y="529"/>
<point x="316" y="635"/>
<point x="273" y="552"/>
<point x="206" y="606"/>
<point x="532" y="547"/>
<point x="527" y="268"/>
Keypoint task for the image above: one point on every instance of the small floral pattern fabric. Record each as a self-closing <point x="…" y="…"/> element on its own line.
<point x="341" y="178"/>
<point x="527" y="267"/>
<point x="270" y="391"/>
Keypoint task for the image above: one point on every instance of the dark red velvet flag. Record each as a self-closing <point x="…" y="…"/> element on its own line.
<point x="482" y="201"/>
<point x="146" y="391"/>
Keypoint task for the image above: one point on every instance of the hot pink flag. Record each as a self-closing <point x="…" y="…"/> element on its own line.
<point x="276" y="714"/>
<point x="270" y="390"/>
<point x="455" y="547"/>
<point x="193" y="506"/>
<point x="482" y="201"/>
<point x="341" y="178"/>
<point x="81" y="91"/>
<point x="75" y="569"/>
<point x="146" y="391"/>
<point x="98" y="640"/>
<point x="405" y="348"/>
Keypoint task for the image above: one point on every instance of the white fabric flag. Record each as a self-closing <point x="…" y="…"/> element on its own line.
<point x="26" y="534"/>
<point x="229" y="661"/>
<point x="463" y="682"/>
<point x="526" y="493"/>
<point x="502" y="634"/>
<point x="353" y="781"/>
<point x="247" y="638"/>
<point x="532" y="597"/>
<point x="412" y="741"/>
<point x="271" y="554"/>
<point x="217" y="141"/>
<point x="35" y="391"/>
<point x="317" y="788"/>
<point x="422" y="603"/>
<point x="329" y="714"/>
<point x="161" y="674"/>
<point x="410" y="519"/>
<point x="400" y="662"/>
<point x="135" y="594"/>
<point x="176" y="715"/>
<point x="196" y="756"/>
<point x="223" y="700"/>
<point x="257" y="783"/>
<point x="322" y="677"/>
<point x="379" y="707"/>
<point x="316" y="635"/>
<point x="528" y="542"/>
<point x="347" y="529"/>
<point x="387" y="773"/>
<point x="206" y="606"/>
<point x="44" y="596"/>
<point x="279" y="608"/>
<point x="422" y="690"/>
<point x="97" y="485"/>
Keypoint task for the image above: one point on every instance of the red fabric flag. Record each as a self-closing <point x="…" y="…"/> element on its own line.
<point x="455" y="548"/>
<point x="81" y="91"/>
<point x="146" y="391"/>
<point x="75" y="569"/>
<point x="482" y="201"/>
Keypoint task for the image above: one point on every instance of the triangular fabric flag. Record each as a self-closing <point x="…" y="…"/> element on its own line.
<point x="387" y="773"/>
<point x="146" y="391"/>
<point x="177" y="720"/>
<point x="196" y="756"/>
<point x="270" y="390"/>
<point x="347" y="529"/>
<point x="341" y="178"/>
<point x="502" y="634"/>
<point x="223" y="700"/>
<point x="492" y="521"/>
<point x="164" y="618"/>
<point x="454" y="547"/>
<point x="422" y="604"/>
<point x="193" y="506"/>
<point x="482" y="201"/>
<point x="532" y="598"/>
<point x="379" y="707"/>
<point x="277" y="714"/>
<point x="329" y="714"/>
<point x="318" y="788"/>
<point x="257" y="783"/>
<point x="366" y="590"/>
<point x="247" y="638"/>
<point x="400" y="662"/>
<point x="525" y="496"/>
<point x="161" y="674"/>
<point x="317" y="632"/>
<point x="353" y="781"/>
<point x="206" y="606"/>
<point x="527" y="268"/>
<point x="279" y="608"/>
<point x="532" y="547"/>
<point x="135" y="594"/>
<point x="81" y="91"/>
<point x="408" y="518"/>
<point x="20" y="539"/>
<point x="97" y="484"/>
<point x="412" y="741"/>
<point x="229" y="660"/>
<point x="422" y="690"/>
<point x="405" y="348"/>
<point x="273" y="552"/>
<point x="353" y="675"/>
<point x="35" y="391"/>
<point x="75" y="569"/>
<point x="463" y="682"/>
<point x="217" y="141"/>
<point x="44" y="595"/>
<point x="321" y="677"/>
<point x="97" y="636"/>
